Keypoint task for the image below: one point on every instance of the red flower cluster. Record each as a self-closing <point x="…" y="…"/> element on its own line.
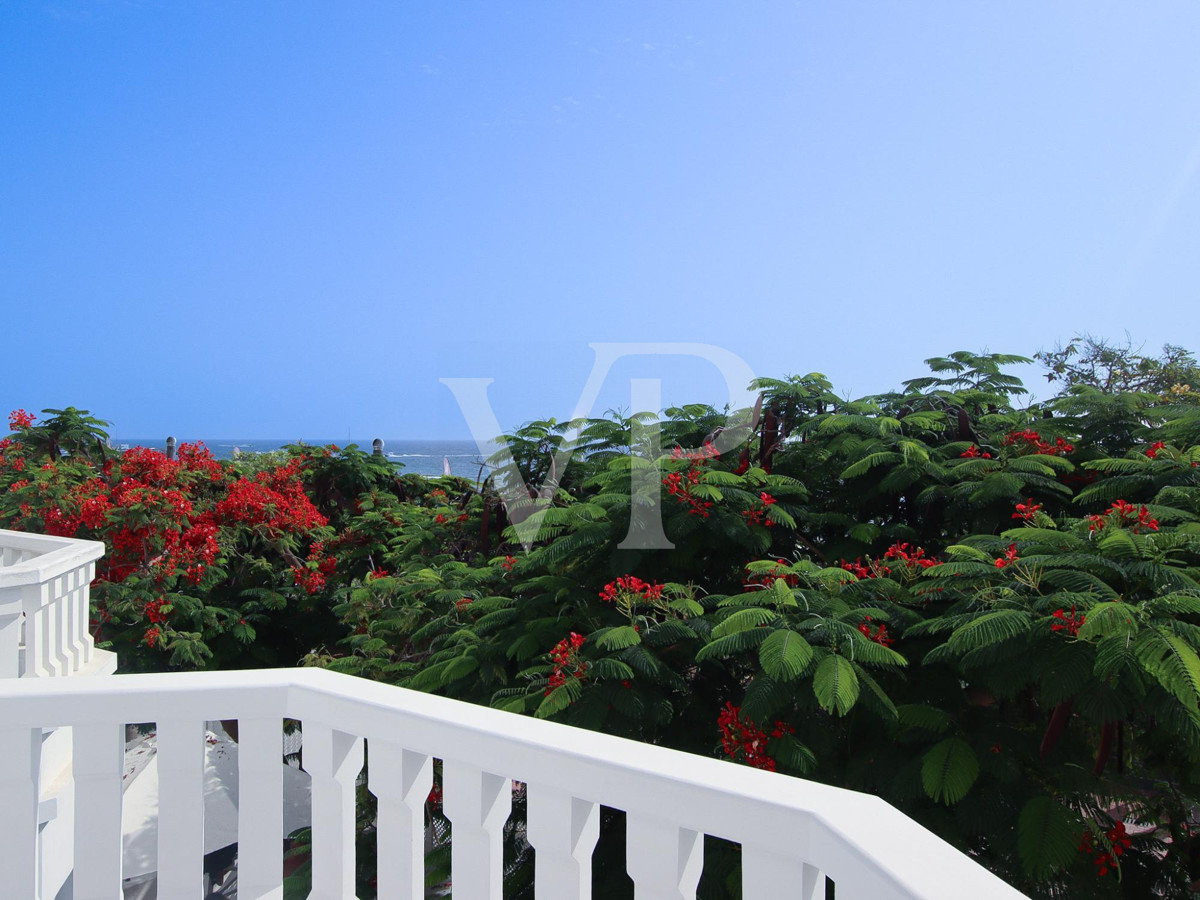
<point x="462" y="603"/>
<point x="152" y="636"/>
<point x="198" y="458"/>
<point x="1030" y="439"/>
<point x="744" y="741"/>
<point x="377" y="573"/>
<point x="879" y="636"/>
<point x="1154" y="448"/>
<point x="912" y="559"/>
<point x="759" y="516"/>
<point x="680" y="485"/>
<point x="154" y="611"/>
<point x="1009" y="557"/>
<point x="1106" y="860"/>
<point x="766" y="579"/>
<point x="629" y="589"/>
<point x="1125" y="514"/>
<point x="973" y="452"/>
<point x="18" y="420"/>
<point x="708" y="451"/>
<point x="865" y="570"/>
<point x="1027" y="511"/>
<point x="567" y="661"/>
<point x="509" y="562"/>
<point x="274" y="500"/>
<point x="1070" y="624"/>
<point x="194" y="550"/>
<point x="312" y="576"/>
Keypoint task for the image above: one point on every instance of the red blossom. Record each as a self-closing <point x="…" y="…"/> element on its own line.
<point x="879" y="635"/>
<point x="973" y="452"/>
<point x="1107" y="860"/>
<point x="19" y="420"/>
<point x="1031" y="440"/>
<point x="567" y="661"/>
<point x="744" y="741"/>
<point x="1068" y="623"/>
<point x="1009" y="557"/>
<point x="759" y="516"/>
<point x="1027" y="511"/>
<point x="766" y="579"/>
<point x="629" y="589"/>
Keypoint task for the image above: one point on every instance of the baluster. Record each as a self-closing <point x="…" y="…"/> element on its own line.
<point x="84" y="611"/>
<point x="10" y="633"/>
<point x="59" y="623"/>
<point x="260" y="809"/>
<point x="333" y="759"/>
<point x="38" y="660"/>
<point x="477" y="804"/>
<point x="20" y="762"/>
<point x="180" y="808"/>
<point x="663" y="859"/>
<point x="563" y="830"/>
<point x="400" y="779"/>
<point x="69" y="621"/>
<point x="766" y="876"/>
<point x="98" y="756"/>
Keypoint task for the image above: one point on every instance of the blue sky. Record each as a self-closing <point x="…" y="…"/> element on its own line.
<point x="292" y="219"/>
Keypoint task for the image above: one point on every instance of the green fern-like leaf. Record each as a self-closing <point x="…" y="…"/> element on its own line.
<point x="927" y="718"/>
<point x="948" y="770"/>
<point x="743" y="620"/>
<point x="990" y="628"/>
<point x="732" y="645"/>
<point x="835" y="685"/>
<point x="1172" y="662"/>
<point x="1047" y="837"/>
<point x="785" y="655"/>
<point x="618" y="638"/>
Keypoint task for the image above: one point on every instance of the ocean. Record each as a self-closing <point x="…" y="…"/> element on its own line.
<point x="417" y="457"/>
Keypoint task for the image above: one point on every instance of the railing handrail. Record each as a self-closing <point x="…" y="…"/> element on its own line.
<point x="55" y="556"/>
<point x="785" y="816"/>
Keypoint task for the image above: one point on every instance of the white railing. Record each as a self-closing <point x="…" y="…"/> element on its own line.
<point x="792" y="832"/>
<point x="45" y="606"/>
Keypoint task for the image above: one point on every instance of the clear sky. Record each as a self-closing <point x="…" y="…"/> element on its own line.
<point x="292" y="218"/>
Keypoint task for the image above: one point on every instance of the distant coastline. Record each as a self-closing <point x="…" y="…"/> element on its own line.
<point x="420" y="457"/>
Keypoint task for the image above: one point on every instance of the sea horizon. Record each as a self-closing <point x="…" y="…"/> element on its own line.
<point x="426" y="456"/>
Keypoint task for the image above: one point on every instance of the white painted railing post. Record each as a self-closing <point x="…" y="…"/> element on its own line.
<point x="20" y="760"/>
<point x="333" y="759"/>
<point x="400" y="780"/>
<point x="260" y="809"/>
<point x="99" y="756"/>
<point x="180" y="808"/>
<point x="82" y="615"/>
<point x="663" y="859"/>
<point x="10" y="632"/>
<point x="763" y="872"/>
<point x="563" y="830"/>
<point x="477" y="804"/>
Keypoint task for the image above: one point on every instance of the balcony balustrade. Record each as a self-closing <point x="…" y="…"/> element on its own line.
<point x="793" y="833"/>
